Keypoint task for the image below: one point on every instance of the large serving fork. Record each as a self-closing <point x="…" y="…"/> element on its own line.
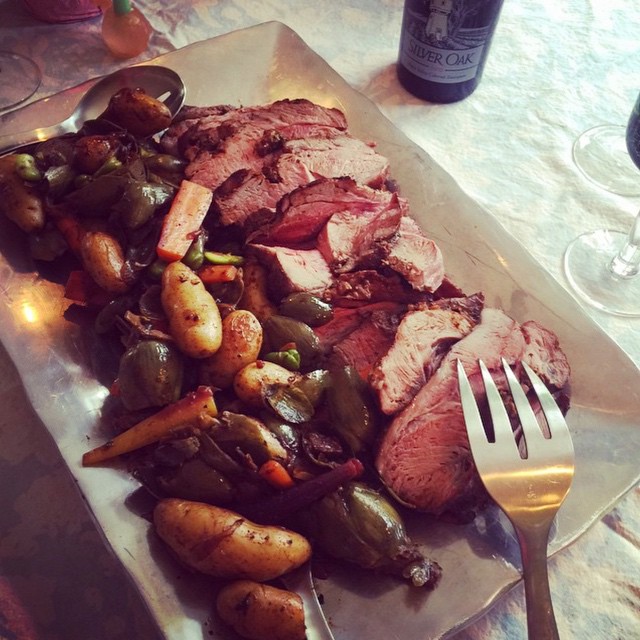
<point x="529" y="483"/>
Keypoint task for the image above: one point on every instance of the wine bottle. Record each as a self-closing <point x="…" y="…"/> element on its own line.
<point x="444" y="45"/>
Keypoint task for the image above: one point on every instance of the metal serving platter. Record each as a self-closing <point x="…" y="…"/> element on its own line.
<point x="259" y="65"/>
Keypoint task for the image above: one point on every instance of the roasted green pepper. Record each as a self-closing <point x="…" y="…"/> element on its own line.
<point x="150" y="375"/>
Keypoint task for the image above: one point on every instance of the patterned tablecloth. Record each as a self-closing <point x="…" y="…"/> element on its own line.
<point x="555" y="69"/>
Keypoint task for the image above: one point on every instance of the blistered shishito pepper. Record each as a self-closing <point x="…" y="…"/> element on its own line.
<point x="352" y="410"/>
<point x="357" y="524"/>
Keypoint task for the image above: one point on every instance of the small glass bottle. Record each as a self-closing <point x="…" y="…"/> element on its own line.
<point x="444" y="46"/>
<point x="125" y="30"/>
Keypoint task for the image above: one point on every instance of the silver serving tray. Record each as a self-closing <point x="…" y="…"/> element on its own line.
<point x="258" y="65"/>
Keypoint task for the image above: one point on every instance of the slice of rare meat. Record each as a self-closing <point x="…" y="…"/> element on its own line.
<point x="364" y="346"/>
<point x="293" y="270"/>
<point x="244" y="138"/>
<point x="341" y="155"/>
<point x="350" y="238"/>
<point x="187" y="117"/>
<point x="206" y="129"/>
<point x="301" y="214"/>
<point x="471" y="306"/>
<point x="266" y="179"/>
<point x="421" y="342"/>
<point x="348" y="319"/>
<point x="245" y="194"/>
<point x="424" y="458"/>
<point x="411" y="254"/>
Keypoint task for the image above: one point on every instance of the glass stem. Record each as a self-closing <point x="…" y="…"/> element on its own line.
<point x="627" y="261"/>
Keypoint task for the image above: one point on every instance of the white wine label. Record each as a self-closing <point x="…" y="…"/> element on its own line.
<point x="433" y="48"/>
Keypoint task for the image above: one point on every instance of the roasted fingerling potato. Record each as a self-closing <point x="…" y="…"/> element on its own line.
<point x="136" y="111"/>
<point x="261" y="612"/>
<point x="241" y="344"/>
<point x="224" y="544"/>
<point x="194" y="317"/>
<point x="103" y="258"/>
<point x="18" y="199"/>
<point x="250" y="381"/>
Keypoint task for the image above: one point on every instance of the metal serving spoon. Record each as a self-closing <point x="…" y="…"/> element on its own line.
<point x="160" y="82"/>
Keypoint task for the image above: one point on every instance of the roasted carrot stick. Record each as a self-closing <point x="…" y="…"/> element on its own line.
<point x="196" y="408"/>
<point x="276" y="475"/>
<point x="183" y="221"/>
<point x="212" y="273"/>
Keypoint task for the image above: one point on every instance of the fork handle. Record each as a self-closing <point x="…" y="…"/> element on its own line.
<point x="541" y="621"/>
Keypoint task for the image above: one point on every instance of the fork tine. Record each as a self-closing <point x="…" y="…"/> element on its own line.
<point x="530" y="426"/>
<point x="502" y="429"/>
<point x="475" y="429"/>
<point x="555" y="420"/>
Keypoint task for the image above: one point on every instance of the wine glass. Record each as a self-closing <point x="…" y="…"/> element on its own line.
<point x="603" y="265"/>
<point x="20" y="78"/>
<point x="601" y="155"/>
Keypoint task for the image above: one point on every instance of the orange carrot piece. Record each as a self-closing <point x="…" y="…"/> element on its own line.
<point x="183" y="221"/>
<point x="196" y="408"/>
<point x="276" y="475"/>
<point x="213" y="273"/>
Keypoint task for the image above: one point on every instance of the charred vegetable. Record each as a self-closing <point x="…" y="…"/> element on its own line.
<point x="281" y="330"/>
<point x="140" y="201"/>
<point x="150" y="375"/>
<point x="196" y="468"/>
<point x="306" y="308"/>
<point x="196" y="410"/>
<point x="359" y="525"/>
<point x="239" y="434"/>
<point x="92" y="152"/>
<point x="252" y="381"/>
<point x="196" y="480"/>
<point x="193" y="315"/>
<point x="103" y="258"/>
<point x="255" y="297"/>
<point x="352" y="410"/>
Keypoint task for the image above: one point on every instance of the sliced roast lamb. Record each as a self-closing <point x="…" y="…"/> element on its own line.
<point x="421" y="342"/>
<point x="341" y="155"/>
<point x="367" y="286"/>
<point x="313" y="205"/>
<point x="267" y="179"/>
<point x="293" y="270"/>
<point x="244" y="197"/>
<point x="270" y="117"/>
<point x="348" y="319"/>
<point x="185" y="119"/>
<point x="544" y="356"/>
<point x="424" y="458"/>
<point x="414" y="256"/>
<point x="249" y="146"/>
<point x="351" y="237"/>
<point x="364" y="346"/>
<point x="302" y="213"/>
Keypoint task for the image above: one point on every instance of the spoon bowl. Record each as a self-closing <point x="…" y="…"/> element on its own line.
<point x="159" y="82"/>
